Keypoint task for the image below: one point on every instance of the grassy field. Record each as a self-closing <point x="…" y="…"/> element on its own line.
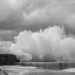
<point x="20" y="70"/>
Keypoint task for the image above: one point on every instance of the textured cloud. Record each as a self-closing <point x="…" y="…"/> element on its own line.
<point x="7" y="35"/>
<point x="4" y="47"/>
<point x="55" y="12"/>
<point x="22" y="14"/>
<point x="52" y="42"/>
<point x="35" y="15"/>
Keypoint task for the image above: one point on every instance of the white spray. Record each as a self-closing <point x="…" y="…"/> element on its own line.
<point x="51" y="42"/>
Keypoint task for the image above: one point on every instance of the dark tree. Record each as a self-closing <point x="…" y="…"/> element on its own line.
<point x="8" y="59"/>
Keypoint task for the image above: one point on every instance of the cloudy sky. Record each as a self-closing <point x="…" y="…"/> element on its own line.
<point x="19" y="15"/>
<point x="33" y="27"/>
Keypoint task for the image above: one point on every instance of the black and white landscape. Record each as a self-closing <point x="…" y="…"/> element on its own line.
<point x="37" y="36"/>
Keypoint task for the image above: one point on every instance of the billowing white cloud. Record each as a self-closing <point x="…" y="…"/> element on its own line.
<point x="52" y="42"/>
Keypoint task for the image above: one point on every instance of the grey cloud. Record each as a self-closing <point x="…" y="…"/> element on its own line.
<point x="7" y="35"/>
<point x="54" y="12"/>
<point x="4" y="47"/>
<point x="25" y="14"/>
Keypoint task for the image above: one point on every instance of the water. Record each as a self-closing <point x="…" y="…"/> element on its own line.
<point x="50" y="69"/>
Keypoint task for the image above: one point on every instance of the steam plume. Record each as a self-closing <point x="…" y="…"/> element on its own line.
<point x="52" y="42"/>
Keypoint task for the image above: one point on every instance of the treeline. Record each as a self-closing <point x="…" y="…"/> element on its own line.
<point x="8" y="59"/>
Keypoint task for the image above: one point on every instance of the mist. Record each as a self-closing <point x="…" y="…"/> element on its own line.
<point x="51" y="43"/>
